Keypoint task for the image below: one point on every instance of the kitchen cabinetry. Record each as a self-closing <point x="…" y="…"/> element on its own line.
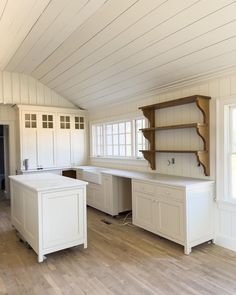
<point x="112" y="195"/>
<point x="52" y="137"/>
<point x="183" y="215"/>
<point x="49" y="211"/>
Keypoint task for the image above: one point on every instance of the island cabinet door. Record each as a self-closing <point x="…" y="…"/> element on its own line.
<point x="62" y="219"/>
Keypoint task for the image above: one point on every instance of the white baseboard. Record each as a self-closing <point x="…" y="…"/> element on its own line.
<point x="226" y="242"/>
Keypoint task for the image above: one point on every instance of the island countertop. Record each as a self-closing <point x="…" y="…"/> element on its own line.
<point x="47" y="181"/>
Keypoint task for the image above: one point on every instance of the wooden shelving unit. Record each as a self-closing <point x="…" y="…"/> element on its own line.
<point x="202" y="129"/>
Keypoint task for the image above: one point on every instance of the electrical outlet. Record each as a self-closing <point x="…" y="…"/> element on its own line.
<point x="173" y="161"/>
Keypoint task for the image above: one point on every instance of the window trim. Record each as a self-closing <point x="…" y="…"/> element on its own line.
<point x="223" y="179"/>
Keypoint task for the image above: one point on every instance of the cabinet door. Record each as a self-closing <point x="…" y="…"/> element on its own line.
<point x="77" y="147"/>
<point x="46" y="147"/>
<point x="108" y="195"/>
<point x="63" y="155"/>
<point x="145" y="210"/>
<point x="29" y="135"/>
<point x="171" y="219"/>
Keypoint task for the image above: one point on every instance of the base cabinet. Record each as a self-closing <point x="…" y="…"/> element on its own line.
<point x="112" y="196"/>
<point x="183" y="215"/>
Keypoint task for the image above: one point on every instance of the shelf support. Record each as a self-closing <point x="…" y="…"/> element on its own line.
<point x="150" y="115"/>
<point x="151" y="158"/>
<point x="150" y="136"/>
<point x="203" y="105"/>
<point x="203" y="132"/>
<point x="203" y="159"/>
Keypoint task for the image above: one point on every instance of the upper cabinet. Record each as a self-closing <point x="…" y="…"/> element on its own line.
<point x="52" y="137"/>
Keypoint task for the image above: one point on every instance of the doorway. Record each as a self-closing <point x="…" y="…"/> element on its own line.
<point x="4" y="161"/>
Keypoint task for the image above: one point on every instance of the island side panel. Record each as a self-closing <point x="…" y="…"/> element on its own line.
<point x="63" y="218"/>
<point x="24" y="213"/>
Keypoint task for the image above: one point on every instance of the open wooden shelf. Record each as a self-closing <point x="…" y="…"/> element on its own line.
<point x="202" y="129"/>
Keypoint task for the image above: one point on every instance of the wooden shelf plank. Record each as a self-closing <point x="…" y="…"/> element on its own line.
<point x="175" y="102"/>
<point x="174" y="151"/>
<point x="177" y="126"/>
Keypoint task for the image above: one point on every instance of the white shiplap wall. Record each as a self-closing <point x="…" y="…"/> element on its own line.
<point x="186" y="165"/>
<point x="18" y="88"/>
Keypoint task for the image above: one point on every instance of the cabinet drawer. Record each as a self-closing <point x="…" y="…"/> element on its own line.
<point x="170" y="193"/>
<point x="143" y="187"/>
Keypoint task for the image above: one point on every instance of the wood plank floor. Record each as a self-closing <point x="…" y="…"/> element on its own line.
<point x="119" y="260"/>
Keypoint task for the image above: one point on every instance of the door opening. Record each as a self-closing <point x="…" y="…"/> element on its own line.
<point x="4" y="161"/>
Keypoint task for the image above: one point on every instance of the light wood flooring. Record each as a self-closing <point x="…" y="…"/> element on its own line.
<point x="119" y="260"/>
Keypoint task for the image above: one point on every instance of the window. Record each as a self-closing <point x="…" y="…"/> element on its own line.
<point x="47" y="121"/>
<point x="118" y="139"/>
<point x="30" y="121"/>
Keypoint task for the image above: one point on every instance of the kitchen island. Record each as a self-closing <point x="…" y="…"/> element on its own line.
<point x="49" y="211"/>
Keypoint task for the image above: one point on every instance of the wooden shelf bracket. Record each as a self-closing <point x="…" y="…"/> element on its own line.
<point x="203" y="159"/>
<point x="150" y="156"/>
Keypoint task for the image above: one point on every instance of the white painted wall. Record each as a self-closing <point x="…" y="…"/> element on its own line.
<point x="186" y="165"/>
<point x="18" y="88"/>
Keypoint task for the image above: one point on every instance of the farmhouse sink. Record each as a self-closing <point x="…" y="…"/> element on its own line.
<point x="92" y="176"/>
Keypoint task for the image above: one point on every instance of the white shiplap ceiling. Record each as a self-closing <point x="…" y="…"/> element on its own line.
<point x="95" y="52"/>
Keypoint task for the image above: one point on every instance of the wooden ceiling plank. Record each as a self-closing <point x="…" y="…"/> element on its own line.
<point x="130" y="17"/>
<point x="218" y="59"/>
<point x="174" y="41"/>
<point x="188" y="49"/>
<point x="172" y="25"/>
<point x="102" y="18"/>
<point x="39" y="28"/>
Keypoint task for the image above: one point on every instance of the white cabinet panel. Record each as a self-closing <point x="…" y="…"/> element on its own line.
<point x="63" y="148"/>
<point x="29" y="147"/>
<point x="62" y="208"/>
<point x="77" y="147"/>
<point x="171" y="219"/>
<point x="46" y="148"/>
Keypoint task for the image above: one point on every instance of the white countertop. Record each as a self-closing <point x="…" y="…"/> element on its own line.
<point x="47" y="181"/>
<point x="147" y="176"/>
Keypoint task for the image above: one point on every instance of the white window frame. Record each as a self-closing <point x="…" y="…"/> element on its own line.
<point x="133" y="138"/>
<point x="223" y="168"/>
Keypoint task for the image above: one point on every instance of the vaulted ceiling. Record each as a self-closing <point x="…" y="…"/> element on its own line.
<point x="95" y="52"/>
